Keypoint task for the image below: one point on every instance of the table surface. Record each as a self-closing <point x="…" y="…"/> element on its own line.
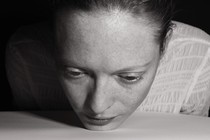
<point x="64" y="125"/>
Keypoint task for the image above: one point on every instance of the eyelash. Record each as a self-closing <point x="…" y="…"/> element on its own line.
<point x="75" y="73"/>
<point x="127" y="78"/>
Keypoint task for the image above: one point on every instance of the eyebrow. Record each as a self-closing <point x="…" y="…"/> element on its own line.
<point x="126" y="69"/>
<point x="132" y="68"/>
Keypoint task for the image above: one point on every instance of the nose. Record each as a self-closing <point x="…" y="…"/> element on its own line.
<point x="100" y="97"/>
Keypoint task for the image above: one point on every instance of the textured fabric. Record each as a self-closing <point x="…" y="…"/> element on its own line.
<point x="182" y="82"/>
<point x="32" y="76"/>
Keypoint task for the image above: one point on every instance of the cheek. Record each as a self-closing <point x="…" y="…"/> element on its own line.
<point x="131" y="97"/>
<point x="76" y="93"/>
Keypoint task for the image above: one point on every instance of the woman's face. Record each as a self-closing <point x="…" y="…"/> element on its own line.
<point x="107" y="63"/>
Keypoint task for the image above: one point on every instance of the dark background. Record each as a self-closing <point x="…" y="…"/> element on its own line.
<point x="14" y="14"/>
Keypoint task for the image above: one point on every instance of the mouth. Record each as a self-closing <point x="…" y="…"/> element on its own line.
<point x="98" y="121"/>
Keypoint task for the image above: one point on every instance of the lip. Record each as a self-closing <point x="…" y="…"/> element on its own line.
<point x="99" y="121"/>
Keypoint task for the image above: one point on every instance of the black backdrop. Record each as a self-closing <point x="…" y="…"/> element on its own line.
<point x="14" y="14"/>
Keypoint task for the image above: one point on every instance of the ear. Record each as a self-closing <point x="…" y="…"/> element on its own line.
<point x="168" y="38"/>
<point x="166" y="42"/>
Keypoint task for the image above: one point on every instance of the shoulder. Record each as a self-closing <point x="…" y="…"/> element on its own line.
<point x="186" y="38"/>
<point x="183" y="32"/>
<point x="40" y="33"/>
<point x="31" y="41"/>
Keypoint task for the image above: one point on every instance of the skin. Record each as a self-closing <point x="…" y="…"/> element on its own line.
<point x="107" y="63"/>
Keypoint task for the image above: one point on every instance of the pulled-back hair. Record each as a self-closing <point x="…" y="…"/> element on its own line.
<point x="159" y="12"/>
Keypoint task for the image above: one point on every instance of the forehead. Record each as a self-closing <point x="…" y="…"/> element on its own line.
<point x="116" y="36"/>
<point x="112" y="23"/>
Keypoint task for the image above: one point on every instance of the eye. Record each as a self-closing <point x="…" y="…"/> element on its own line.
<point x="74" y="73"/>
<point x="130" y="78"/>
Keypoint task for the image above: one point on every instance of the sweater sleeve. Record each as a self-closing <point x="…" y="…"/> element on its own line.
<point x="197" y="102"/>
<point x="31" y="71"/>
<point x="182" y="82"/>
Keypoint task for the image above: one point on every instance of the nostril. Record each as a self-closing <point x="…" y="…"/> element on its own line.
<point x="94" y="106"/>
<point x="97" y="108"/>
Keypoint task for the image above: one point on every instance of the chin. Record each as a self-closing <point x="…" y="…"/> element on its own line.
<point x="101" y="128"/>
<point x="102" y="125"/>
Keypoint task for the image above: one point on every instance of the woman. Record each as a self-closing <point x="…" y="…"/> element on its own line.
<point x="107" y="54"/>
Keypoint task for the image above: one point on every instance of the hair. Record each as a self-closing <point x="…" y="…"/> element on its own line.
<point x="158" y="12"/>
